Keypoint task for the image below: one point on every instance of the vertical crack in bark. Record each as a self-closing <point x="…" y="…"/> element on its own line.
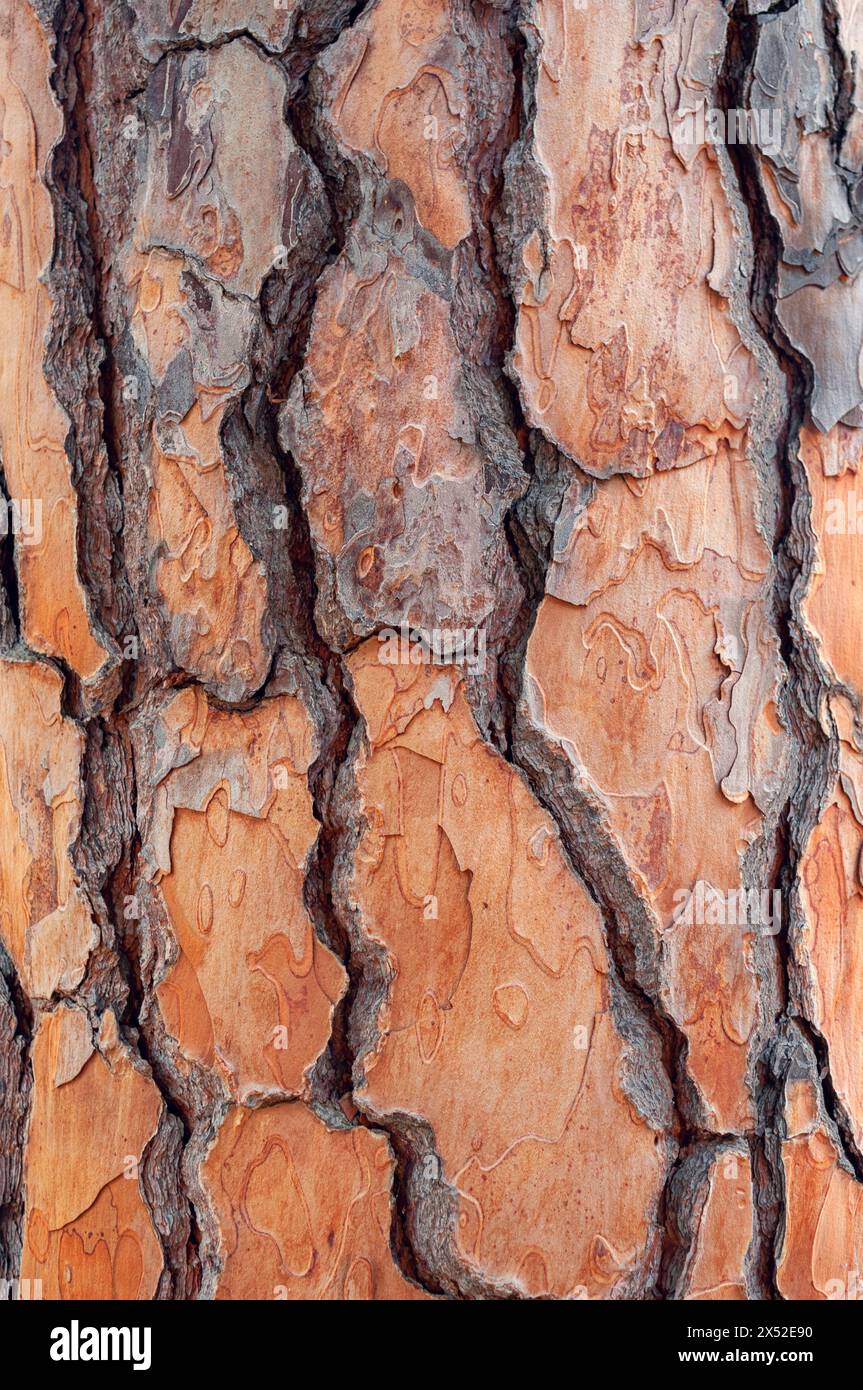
<point x="816" y="683"/>
<point x="95" y="272"/>
<point x="600" y="865"/>
<point x="175" y="1205"/>
<point x="592" y="856"/>
<point x="424" y="1206"/>
<point x="83" y="313"/>
<point x="82" y="316"/>
<point x="331" y="776"/>
<point x="77" y="358"/>
<point x="10" y="614"/>
<point x="16" y="1084"/>
<point x="808" y="681"/>
<point x="767" y="1171"/>
<point x="530" y="528"/>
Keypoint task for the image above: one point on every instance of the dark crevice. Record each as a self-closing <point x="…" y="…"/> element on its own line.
<point x="685" y="1198"/>
<point x="78" y="363"/>
<point x="807" y="679"/>
<point x="832" y="1104"/>
<point x="106" y="848"/>
<point x="182" y="1239"/>
<point x="95" y="274"/>
<point x="319" y="24"/>
<point x="289" y="321"/>
<point x="843" y="76"/>
<point x="16" y="1082"/>
<point x="530" y="524"/>
<point x="10" y="606"/>
<point x="117" y="978"/>
<point x="767" y="1171"/>
<point x="331" y="781"/>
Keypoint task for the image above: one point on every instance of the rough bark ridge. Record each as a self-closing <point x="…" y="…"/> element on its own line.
<point x="431" y="793"/>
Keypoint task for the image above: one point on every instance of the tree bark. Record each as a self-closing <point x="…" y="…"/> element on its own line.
<point x="431" y="793"/>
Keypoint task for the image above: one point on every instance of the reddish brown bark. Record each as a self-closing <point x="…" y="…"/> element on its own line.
<point x="431" y="793"/>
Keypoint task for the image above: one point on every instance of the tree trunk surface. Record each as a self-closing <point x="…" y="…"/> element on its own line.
<point x="431" y="748"/>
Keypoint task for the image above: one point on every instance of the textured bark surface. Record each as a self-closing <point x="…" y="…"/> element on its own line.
<point x="431" y="706"/>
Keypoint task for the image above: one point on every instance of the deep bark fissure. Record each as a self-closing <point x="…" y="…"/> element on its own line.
<point x="767" y="1170"/>
<point x="530" y="524"/>
<point x="10" y="605"/>
<point x="807" y="679"/>
<point x="16" y="1084"/>
<point x="411" y="1141"/>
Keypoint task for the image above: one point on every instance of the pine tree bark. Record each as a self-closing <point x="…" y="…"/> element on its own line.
<point x="431" y="793"/>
